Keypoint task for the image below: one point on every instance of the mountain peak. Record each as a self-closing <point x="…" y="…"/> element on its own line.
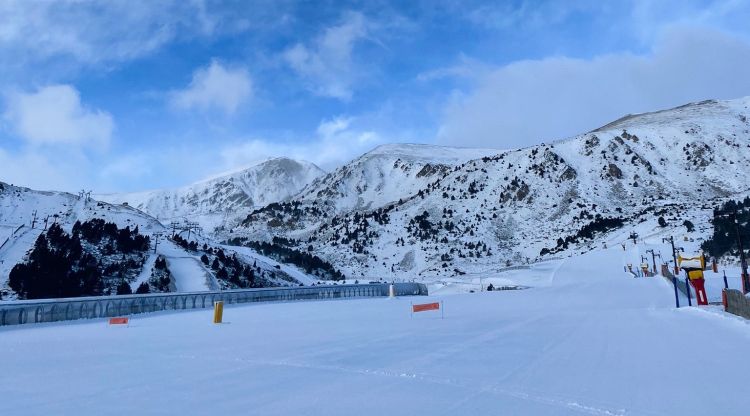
<point x="275" y="162"/>
<point x="699" y="111"/>
<point x="218" y="201"/>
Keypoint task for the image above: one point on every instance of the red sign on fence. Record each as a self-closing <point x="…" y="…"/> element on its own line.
<point x="118" y="321"/>
<point x="426" y="307"/>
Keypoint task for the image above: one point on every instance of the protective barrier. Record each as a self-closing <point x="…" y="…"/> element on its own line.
<point x="52" y="310"/>
<point x="737" y="303"/>
<point x="681" y="286"/>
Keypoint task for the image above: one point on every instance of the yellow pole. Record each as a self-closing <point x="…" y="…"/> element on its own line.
<point x="218" y="311"/>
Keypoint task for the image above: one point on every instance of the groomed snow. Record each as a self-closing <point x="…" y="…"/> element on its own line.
<point x="188" y="272"/>
<point x="585" y="339"/>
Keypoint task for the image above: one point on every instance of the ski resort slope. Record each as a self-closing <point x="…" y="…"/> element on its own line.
<point x="585" y="339"/>
<point x="188" y="273"/>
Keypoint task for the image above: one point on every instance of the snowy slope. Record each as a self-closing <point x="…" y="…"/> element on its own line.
<point x="586" y="339"/>
<point x="502" y="210"/>
<point x="216" y="202"/>
<point x="386" y="174"/>
<point x="187" y="270"/>
<point x="19" y="206"/>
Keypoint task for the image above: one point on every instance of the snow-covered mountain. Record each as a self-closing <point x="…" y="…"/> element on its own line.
<point x="25" y="214"/>
<point x="386" y="174"/>
<point x="410" y="211"/>
<point x="504" y="208"/>
<point x="218" y="201"/>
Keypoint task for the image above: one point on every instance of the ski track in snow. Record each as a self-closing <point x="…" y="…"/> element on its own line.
<point x="188" y="273"/>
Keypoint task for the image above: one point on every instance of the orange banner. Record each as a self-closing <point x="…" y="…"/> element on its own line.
<point x="426" y="307"/>
<point x="118" y="321"/>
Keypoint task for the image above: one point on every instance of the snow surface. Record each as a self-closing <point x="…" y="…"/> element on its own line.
<point x="145" y="273"/>
<point x="586" y="338"/>
<point x="187" y="270"/>
<point x="253" y="257"/>
<point x="223" y="200"/>
<point x="386" y="174"/>
<point x="430" y="153"/>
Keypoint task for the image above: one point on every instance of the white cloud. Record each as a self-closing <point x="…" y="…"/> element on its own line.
<point x="326" y="64"/>
<point x="465" y="68"/>
<point x="215" y="87"/>
<point x="336" y="142"/>
<point x="55" y="115"/>
<point x="91" y="32"/>
<point x="531" y="101"/>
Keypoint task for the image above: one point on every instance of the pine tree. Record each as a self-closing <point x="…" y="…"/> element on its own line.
<point x="222" y="274"/>
<point x="124" y="288"/>
<point x="689" y="226"/>
<point x="143" y="289"/>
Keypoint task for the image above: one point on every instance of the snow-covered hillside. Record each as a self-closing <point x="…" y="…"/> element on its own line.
<point x="585" y="339"/>
<point x="415" y="211"/>
<point x="219" y="201"/>
<point x="506" y="208"/>
<point x="26" y="213"/>
<point x="386" y="174"/>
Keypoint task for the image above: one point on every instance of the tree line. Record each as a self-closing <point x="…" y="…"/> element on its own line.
<point x="90" y="261"/>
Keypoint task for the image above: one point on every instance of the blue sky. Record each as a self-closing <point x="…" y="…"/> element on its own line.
<point x="132" y="95"/>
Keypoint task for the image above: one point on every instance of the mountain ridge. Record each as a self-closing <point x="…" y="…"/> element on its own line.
<point x="516" y="203"/>
<point x="416" y="210"/>
<point x="213" y="202"/>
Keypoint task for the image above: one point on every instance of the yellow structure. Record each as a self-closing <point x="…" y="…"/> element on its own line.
<point x="695" y="274"/>
<point x="218" y="311"/>
<point x="694" y="266"/>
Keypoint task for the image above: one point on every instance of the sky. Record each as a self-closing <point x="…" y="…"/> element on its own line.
<point x="128" y="95"/>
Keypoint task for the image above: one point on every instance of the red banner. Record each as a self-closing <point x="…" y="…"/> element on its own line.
<point x="118" y="321"/>
<point x="426" y="307"/>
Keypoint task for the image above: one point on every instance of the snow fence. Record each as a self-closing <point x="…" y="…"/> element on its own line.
<point x="737" y="303"/>
<point x="68" y="309"/>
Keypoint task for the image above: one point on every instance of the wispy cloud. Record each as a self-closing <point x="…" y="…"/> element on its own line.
<point x="530" y="101"/>
<point x="215" y="87"/>
<point x="90" y="32"/>
<point x="336" y="141"/>
<point x="55" y="115"/>
<point x="326" y="64"/>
